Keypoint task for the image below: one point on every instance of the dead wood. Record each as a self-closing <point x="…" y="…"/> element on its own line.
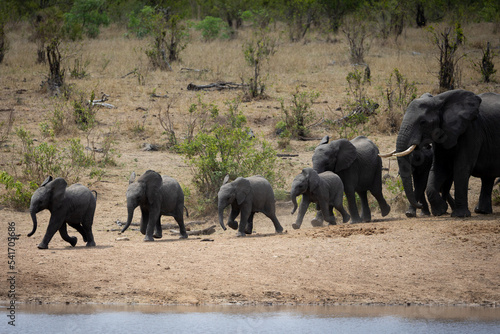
<point x="205" y="231"/>
<point x="216" y="86"/>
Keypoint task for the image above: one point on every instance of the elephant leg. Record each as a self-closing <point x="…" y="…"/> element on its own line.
<point x="55" y="223"/>
<point x="245" y="215"/>
<point x="144" y="221"/>
<point x="353" y="208"/>
<point x="438" y="205"/>
<point x="232" y="223"/>
<point x="461" y="195"/>
<point x="179" y="218"/>
<point x="318" y="220"/>
<point x="304" y="205"/>
<point x="366" y="214"/>
<point x="484" y="204"/>
<point x="80" y="229"/>
<point x="158" y="232"/>
<point x="271" y="214"/>
<point x="249" y="228"/>
<point x="63" y="231"/>
<point x="154" y="217"/>
<point x="345" y="216"/>
<point x="376" y="191"/>
<point x="411" y="212"/>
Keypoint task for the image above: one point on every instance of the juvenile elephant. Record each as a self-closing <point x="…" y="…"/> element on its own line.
<point x="325" y="189"/>
<point x="247" y="196"/>
<point x="157" y="196"/>
<point x="421" y="163"/>
<point x="359" y="167"/>
<point x="74" y="205"/>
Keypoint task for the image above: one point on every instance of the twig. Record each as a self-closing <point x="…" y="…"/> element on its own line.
<point x="216" y="86"/>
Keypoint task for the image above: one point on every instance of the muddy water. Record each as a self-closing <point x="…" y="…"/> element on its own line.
<point x="244" y="319"/>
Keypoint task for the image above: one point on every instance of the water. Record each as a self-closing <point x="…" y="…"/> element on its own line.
<point x="53" y="319"/>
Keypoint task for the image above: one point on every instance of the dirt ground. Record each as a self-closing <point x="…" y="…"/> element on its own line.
<point x="392" y="260"/>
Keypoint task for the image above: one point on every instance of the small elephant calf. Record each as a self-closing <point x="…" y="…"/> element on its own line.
<point x="74" y="205"/>
<point x="325" y="189"/>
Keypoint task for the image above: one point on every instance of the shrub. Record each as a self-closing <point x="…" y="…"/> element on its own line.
<point x="17" y="195"/>
<point x="141" y="23"/>
<point x="298" y="116"/>
<point x="487" y="66"/>
<point x="227" y="149"/>
<point x="213" y="28"/>
<point x="86" y="16"/>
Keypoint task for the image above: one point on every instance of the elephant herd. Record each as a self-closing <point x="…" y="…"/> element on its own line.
<point x="443" y="140"/>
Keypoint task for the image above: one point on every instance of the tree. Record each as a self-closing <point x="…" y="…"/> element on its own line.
<point x="86" y="16"/>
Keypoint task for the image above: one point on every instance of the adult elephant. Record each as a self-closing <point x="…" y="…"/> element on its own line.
<point x="246" y="197"/>
<point x="463" y="129"/>
<point x="74" y="205"/>
<point x="157" y="196"/>
<point x="359" y="167"/>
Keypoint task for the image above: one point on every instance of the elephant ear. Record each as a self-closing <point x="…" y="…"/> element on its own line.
<point x="57" y="190"/>
<point x="47" y="180"/>
<point x="345" y="156"/>
<point x="243" y="188"/>
<point x="312" y="177"/>
<point x="458" y="109"/>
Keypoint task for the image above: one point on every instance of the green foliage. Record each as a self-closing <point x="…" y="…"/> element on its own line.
<point x="486" y="66"/>
<point x="398" y="93"/>
<point x="84" y="112"/>
<point x="86" y="16"/>
<point x="227" y="149"/>
<point x="357" y="30"/>
<point x="47" y="26"/>
<point x="296" y="117"/>
<point x="17" y="195"/>
<point x="79" y="70"/>
<point x="213" y="28"/>
<point x="141" y="23"/>
<point x="257" y="52"/>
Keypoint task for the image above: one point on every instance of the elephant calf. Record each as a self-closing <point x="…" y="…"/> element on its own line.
<point x="74" y="205"/>
<point x="157" y="196"/>
<point x="247" y="196"/>
<point x="325" y="189"/>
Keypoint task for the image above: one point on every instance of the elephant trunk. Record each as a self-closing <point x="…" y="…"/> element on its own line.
<point x="405" y="168"/>
<point x="130" y="215"/>
<point x="33" y="217"/>
<point x="221" y="217"/>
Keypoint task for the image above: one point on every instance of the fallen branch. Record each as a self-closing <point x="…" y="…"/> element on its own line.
<point x="205" y="231"/>
<point x="284" y="155"/>
<point x="102" y="103"/>
<point x="163" y="226"/>
<point x="185" y="69"/>
<point x="216" y="86"/>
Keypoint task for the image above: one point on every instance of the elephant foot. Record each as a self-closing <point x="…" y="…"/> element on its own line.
<point x="317" y="222"/>
<point x="460" y="213"/>
<point x="240" y="234"/>
<point x="279" y="230"/>
<point x="385" y="209"/>
<point x="148" y="238"/>
<point x="233" y="225"/>
<point x="440" y="209"/>
<point x="73" y="241"/>
<point x="43" y="246"/>
<point x="411" y="212"/>
<point x="91" y="244"/>
<point x="346" y="218"/>
<point x="295" y="226"/>
<point x="356" y="220"/>
<point x="183" y="236"/>
<point x="484" y="211"/>
<point x="157" y="236"/>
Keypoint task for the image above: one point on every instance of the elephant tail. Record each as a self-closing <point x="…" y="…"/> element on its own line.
<point x="187" y="213"/>
<point x="95" y="194"/>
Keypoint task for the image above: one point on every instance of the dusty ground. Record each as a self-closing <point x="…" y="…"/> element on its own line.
<point x="393" y="260"/>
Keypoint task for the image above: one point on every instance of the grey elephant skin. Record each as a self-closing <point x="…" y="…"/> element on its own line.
<point x="247" y="196"/>
<point x="156" y="196"/>
<point x="74" y="205"/>
<point x="421" y="163"/>
<point x="325" y="189"/>
<point x="463" y="129"/>
<point x="359" y="167"/>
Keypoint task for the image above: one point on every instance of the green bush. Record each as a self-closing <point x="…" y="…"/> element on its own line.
<point x="18" y="195"/>
<point x="228" y="149"/>
<point x="140" y="23"/>
<point x="213" y="28"/>
<point x="298" y="115"/>
<point x="86" y="16"/>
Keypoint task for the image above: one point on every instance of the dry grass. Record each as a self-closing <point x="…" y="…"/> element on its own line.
<point x="314" y="66"/>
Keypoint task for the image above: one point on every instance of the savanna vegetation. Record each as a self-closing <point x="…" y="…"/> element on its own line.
<point x="86" y="83"/>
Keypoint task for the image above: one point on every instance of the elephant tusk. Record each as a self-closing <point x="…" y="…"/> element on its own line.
<point x="387" y="155"/>
<point x="408" y="151"/>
